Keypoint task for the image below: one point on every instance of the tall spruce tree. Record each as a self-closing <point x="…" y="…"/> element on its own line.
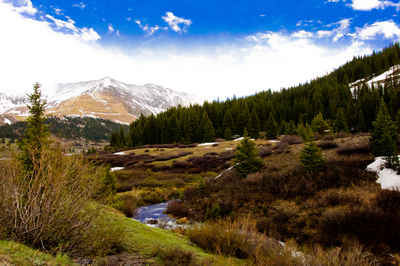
<point x="384" y="134"/>
<point x="253" y="125"/>
<point x="318" y="124"/>
<point x="247" y="158"/>
<point x="311" y="158"/>
<point x="36" y="136"/>
<point x="207" y="129"/>
<point x="271" y="127"/>
<point x="340" y="122"/>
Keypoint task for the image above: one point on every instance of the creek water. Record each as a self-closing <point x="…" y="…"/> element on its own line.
<point x="154" y="215"/>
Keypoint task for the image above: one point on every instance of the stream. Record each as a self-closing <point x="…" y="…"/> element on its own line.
<point x="154" y="216"/>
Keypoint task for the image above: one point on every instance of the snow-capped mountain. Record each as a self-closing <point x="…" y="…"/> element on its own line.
<point x="106" y="98"/>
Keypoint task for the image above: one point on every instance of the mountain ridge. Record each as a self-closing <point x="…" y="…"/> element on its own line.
<point x="106" y="98"/>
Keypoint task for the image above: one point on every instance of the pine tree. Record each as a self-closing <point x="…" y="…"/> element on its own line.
<point x="228" y="133"/>
<point x="318" y="124"/>
<point x="36" y="136"/>
<point x="207" y="129"/>
<point x="384" y="134"/>
<point x="247" y="158"/>
<point x="253" y="125"/>
<point x="121" y="138"/>
<point x="398" y="120"/>
<point x="271" y="127"/>
<point x="340" y="122"/>
<point x="290" y="128"/>
<point x="311" y="158"/>
<point x="228" y="120"/>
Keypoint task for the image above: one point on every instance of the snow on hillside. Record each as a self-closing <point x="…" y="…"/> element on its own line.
<point x="392" y="73"/>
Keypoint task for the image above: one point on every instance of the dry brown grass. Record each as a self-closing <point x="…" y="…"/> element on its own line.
<point x="52" y="209"/>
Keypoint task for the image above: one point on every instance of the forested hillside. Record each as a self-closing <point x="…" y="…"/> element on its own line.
<point x="68" y="128"/>
<point x="284" y="112"/>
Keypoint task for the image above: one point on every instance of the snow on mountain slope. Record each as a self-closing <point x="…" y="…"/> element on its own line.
<point x="106" y="98"/>
<point x="391" y="75"/>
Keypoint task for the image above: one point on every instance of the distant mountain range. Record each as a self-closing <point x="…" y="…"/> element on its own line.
<point x="106" y="98"/>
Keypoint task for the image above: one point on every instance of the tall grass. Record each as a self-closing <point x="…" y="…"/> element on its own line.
<point x="53" y="209"/>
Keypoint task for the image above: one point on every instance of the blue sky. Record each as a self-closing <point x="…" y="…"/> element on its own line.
<point x="209" y="48"/>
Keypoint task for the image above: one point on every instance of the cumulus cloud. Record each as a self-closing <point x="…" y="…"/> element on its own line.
<point x="387" y="29"/>
<point x="36" y="50"/>
<point x="175" y="22"/>
<point x="302" y="34"/>
<point x="25" y="7"/>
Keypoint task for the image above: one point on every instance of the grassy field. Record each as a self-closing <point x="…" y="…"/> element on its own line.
<point x="12" y="253"/>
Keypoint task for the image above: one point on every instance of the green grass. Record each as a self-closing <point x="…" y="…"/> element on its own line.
<point x="12" y="253"/>
<point x="145" y="240"/>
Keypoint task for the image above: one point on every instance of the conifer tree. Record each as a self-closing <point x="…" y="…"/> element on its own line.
<point x="247" y="158"/>
<point x="271" y="127"/>
<point x="384" y="134"/>
<point x="207" y="129"/>
<point x="228" y="133"/>
<point x="290" y="128"/>
<point x="243" y="119"/>
<point x="311" y="158"/>
<point x="253" y="126"/>
<point x="340" y="122"/>
<point x="228" y="120"/>
<point x="36" y="136"/>
<point x="121" y="138"/>
<point x="318" y="124"/>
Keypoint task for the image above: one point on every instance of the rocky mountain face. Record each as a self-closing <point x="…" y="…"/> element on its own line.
<point x="106" y="98"/>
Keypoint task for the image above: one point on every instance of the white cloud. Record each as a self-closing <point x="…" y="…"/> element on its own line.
<point x="174" y="22"/>
<point x="388" y="29"/>
<point x="110" y="28"/>
<point x="33" y="50"/>
<point x="85" y="34"/>
<point x="302" y="34"/>
<point x="150" y="30"/>
<point x="25" y="7"/>
<point x="324" y="33"/>
<point x="58" y="11"/>
<point x="80" y="5"/>
<point x="367" y="5"/>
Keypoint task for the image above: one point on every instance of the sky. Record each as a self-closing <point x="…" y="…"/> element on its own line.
<point x="212" y="49"/>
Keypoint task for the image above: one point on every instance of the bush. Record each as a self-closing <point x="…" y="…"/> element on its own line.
<point x="388" y="200"/>
<point x="175" y="257"/>
<point x="292" y="139"/>
<point x="327" y="144"/>
<point x="350" y="149"/>
<point x="52" y="210"/>
<point x="281" y="147"/>
<point x="247" y="159"/>
<point x="127" y="203"/>
<point x="177" y="208"/>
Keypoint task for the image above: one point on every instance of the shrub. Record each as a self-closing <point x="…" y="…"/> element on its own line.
<point x="234" y="238"/>
<point x="327" y="144"/>
<point x="127" y="203"/>
<point x="350" y="149"/>
<point x="292" y="139"/>
<point x="175" y="257"/>
<point x="281" y="147"/>
<point x="388" y="200"/>
<point x="265" y="151"/>
<point x="177" y="208"/>
<point x="53" y="209"/>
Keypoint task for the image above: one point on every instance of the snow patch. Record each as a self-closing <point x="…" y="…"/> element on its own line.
<point x="388" y="178"/>
<point x="239" y="139"/>
<point x="7" y="121"/>
<point x="120" y="153"/>
<point x="207" y="144"/>
<point x="117" y="169"/>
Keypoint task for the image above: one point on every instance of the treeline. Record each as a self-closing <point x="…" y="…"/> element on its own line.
<point x="328" y="99"/>
<point x="68" y="128"/>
